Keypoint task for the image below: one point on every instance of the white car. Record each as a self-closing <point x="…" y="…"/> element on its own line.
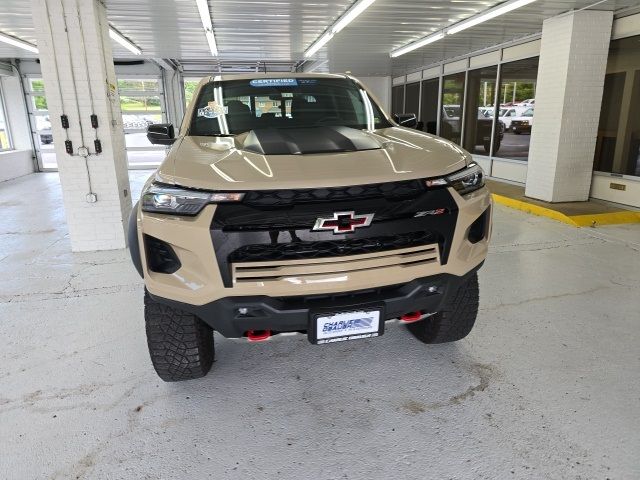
<point x="522" y="123"/>
<point x="507" y="114"/>
<point x="43" y="126"/>
<point x="451" y="120"/>
<point x="530" y="102"/>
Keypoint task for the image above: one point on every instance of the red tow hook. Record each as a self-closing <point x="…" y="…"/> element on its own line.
<point x="411" y="317"/>
<point x="258" y="335"/>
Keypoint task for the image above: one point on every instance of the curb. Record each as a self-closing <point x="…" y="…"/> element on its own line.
<point x="589" y="220"/>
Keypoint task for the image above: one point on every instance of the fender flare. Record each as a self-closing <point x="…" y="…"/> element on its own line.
<point x="134" y="244"/>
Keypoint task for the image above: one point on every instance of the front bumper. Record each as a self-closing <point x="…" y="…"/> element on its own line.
<point x="291" y="314"/>
<point x="521" y="128"/>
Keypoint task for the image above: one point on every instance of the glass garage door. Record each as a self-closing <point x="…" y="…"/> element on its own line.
<point x="142" y="104"/>
<point x="40" y="123"/>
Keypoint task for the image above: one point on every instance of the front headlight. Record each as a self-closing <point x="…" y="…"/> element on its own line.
<point x="465" y="181"/>
<point x="181" y="201"/>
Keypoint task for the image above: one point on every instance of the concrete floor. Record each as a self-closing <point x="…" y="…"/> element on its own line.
<point x="547" y="386"/>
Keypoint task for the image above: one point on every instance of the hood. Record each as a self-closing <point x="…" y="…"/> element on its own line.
<point x="298" y="141"/>
<point x="309" y="158"/>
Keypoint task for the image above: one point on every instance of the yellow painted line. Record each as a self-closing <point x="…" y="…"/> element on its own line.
<point x="595" y="219"/>
<point x="533" y="209"/>
<point x="613" y="218"/>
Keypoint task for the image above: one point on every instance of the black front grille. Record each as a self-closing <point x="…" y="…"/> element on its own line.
<point x="244" y="232"/>
<point x="283" y="198"/>
<point x="329" y="248"/>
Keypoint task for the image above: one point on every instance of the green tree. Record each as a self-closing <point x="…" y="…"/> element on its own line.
<point x="189" y="90"/>
<point x="40" y="102"/>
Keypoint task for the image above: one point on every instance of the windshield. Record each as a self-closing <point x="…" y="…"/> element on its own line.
<point x="236" y="106"/>
<point x="528" y="113"/>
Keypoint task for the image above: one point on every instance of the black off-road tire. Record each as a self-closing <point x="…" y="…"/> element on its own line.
<point x="486" y="144"/>
<point x="180" y="344"/>
<point x="455" y="320"/>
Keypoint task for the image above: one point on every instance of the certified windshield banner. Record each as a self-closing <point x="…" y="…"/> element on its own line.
<point x="274" y="82"/>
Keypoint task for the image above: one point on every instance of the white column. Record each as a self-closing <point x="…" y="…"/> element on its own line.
<point x="573" y="60"/>
<point x="79" y="78"/>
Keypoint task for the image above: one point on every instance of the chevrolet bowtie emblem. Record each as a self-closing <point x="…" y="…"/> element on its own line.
<point x="343" y="222"/>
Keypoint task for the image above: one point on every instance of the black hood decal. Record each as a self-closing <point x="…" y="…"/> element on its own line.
<point x="298" y="141"/>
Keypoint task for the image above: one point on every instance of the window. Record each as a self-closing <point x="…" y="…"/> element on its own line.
<point x="141" y="103"/>
<point x="452" y="101"/>
<point x="618" y="141"/>
<point x="5" y="139"/>
<point x="412" y="98"/>
<point x="429" y="107"/>
<point x="397" y="99"/>
<point x="139" y="85"/>
<point x="478" y="127"/>
<point x="517" y="105"/>
<point x="39" y="111"/>
<point x="36" y="84"/>
<point x="190" y="85"/>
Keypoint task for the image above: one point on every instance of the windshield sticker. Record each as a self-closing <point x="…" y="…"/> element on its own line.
<point x="212" y="110"/>
<point x="274" y="82"/>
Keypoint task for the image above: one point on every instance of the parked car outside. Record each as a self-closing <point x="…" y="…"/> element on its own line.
<point x="450" y="127"/>
<point x="530" y="102"/>
<point x="522" y="123"/>
<point x="136" y="122"/>
<point x="507" y="114"/>
<point x="44" y="130"/>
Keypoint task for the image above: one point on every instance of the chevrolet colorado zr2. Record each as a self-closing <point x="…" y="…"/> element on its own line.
<point x="294" y="203"/>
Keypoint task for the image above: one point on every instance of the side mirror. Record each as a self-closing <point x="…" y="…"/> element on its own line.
<point x="161" y="134"/>
<point x="406" y="119"/>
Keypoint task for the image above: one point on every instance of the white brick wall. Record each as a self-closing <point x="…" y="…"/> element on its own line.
<point x="100" y="225"/>
<point x="573" y="60"/>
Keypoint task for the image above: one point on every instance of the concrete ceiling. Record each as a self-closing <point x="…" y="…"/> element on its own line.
<point x="276" y="32"/>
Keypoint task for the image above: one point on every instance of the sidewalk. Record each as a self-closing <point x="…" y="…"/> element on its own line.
<point x="578" y="214"/>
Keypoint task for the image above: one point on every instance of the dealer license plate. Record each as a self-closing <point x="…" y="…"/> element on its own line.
<point x="343" y="326"/>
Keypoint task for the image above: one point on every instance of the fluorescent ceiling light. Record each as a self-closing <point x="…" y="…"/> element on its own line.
<point x="488" y="15"/>
<point x="463" y="25"/>
<point x="205" y="17"/>
<point x="415" y="45"/>
<point x="318" y="44"/>
<point x="122" y="40"/>
<point x="356" y="9"/>
<point x="17" y="43"/>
